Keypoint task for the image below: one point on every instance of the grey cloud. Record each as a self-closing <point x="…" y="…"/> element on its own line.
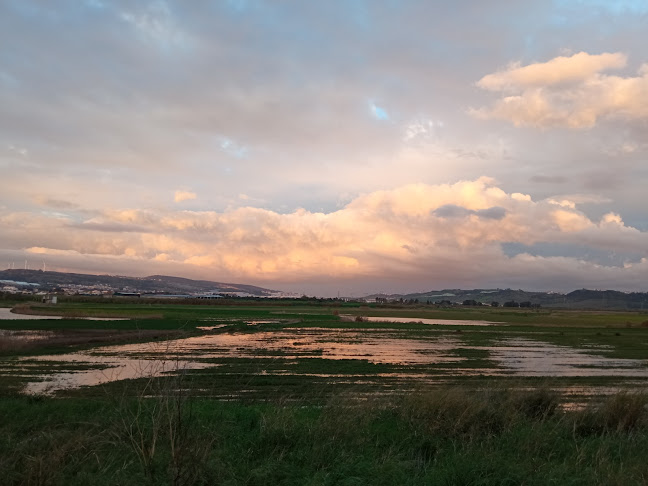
<point x="575" y="251"/>
<point x="454" y="211"/>
<point x="555" y="179"/>
<point x="57" y="203"/>
<point x="491" y="213"/>
<point x="112" y="227"/>
<point x="603" y="180"/>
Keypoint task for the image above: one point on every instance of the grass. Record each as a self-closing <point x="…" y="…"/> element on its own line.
<point x="449" y="436"/>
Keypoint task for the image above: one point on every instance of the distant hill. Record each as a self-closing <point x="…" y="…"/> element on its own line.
<point x="578" y="299"/>
<point x="152" y="284"/>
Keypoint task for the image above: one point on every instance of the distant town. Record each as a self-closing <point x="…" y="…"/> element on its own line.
<point x="38" y="282"/>
<point x="46" y="283"/>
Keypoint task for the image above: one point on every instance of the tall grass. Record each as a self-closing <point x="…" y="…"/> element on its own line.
<point x="446" y="436"/>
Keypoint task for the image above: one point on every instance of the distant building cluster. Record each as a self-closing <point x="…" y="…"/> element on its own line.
<point x="104" y="290"/>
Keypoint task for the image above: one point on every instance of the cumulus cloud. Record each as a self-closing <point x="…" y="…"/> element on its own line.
<point x="184" y="196"/>
<point x="454" y="232"/>
<point x="560" y="70"/>
<point x="566" y="92"/>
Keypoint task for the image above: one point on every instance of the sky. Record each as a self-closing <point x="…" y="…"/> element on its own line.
<point x="351" y="146"/>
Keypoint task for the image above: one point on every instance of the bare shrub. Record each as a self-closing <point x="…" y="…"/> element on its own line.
<point x="156" y="419"/>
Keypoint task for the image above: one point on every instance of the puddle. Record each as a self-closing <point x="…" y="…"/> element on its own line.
<point x="377" y="347"/>
<point x="525" y="357"/>
<point x="6" y="314"/>
<point x="419" y="320"/>
<point x="115" y="368"/>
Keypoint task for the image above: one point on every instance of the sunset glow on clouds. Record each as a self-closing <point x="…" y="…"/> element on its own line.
<point x="419" y="230"/>
<point x="316" y="147"/>
<point x="567" y="91"/>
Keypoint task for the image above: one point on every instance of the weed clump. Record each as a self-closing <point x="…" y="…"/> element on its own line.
<point x="622" y="412"/>
<point x="470" y="414"/>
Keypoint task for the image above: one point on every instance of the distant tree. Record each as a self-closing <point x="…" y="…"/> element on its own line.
<point x="511" y="303"/>
<point x="494" y="304"/>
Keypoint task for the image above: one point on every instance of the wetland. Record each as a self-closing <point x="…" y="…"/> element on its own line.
<point x="282" y="371"/>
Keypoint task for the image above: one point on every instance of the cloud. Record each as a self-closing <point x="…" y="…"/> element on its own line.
<point x="422" y="128"/>
<point x="55" y="203"/>
<point x="453" y="211"/>
<point x="456" y="232"/>
<point x="155" y="23"/>
<point x="557" y="71"/>
<point x="184" y="196"/>
<point x="566" y="92"/>
<point x="555" y="179"/>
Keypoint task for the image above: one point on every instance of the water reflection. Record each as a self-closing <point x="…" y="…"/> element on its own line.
<point x="525" y="357"/>
<point x="7" y="315"/>
<point x="424" y="357"/>
<point x="420" y="320"/>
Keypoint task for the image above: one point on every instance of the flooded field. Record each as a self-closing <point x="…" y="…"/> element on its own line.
<point x="401" y="357"/>
<point x="274" y="352"/>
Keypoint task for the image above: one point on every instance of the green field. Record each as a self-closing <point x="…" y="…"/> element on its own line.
<point x="303" y="393"/>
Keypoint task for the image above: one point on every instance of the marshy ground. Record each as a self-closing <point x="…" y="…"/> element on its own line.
<point x="301" y="394"/>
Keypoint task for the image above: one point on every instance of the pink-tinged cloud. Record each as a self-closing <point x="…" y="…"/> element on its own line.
<point x="560" y="70"/>
<point x="418" y="232"/>
<point x="566" y="92"/>
<point x="184" y="196"/>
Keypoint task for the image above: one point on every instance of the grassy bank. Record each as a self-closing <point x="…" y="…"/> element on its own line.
<point x="451" y="436"/>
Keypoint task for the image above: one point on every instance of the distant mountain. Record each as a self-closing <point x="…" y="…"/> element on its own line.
<point x="152" y="284"/>
<point x="578" y="299"/>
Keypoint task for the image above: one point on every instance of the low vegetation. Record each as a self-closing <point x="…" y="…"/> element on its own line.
<point x="293" y="416"/>
<point x="452" y="436"/>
